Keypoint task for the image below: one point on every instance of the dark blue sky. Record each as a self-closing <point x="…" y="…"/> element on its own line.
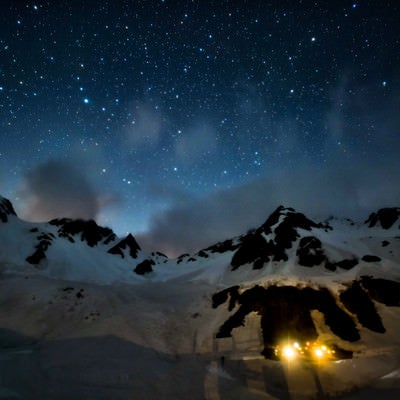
<point x="156" y="116"/>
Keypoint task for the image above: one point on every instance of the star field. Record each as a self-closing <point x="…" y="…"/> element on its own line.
<point x="161" y="102"/>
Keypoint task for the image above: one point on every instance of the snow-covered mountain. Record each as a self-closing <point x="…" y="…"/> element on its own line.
<point x="292" y="309"/>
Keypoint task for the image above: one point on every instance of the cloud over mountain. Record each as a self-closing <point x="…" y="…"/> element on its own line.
<point x="57" y="188"/>
<point x="191" y="223"/>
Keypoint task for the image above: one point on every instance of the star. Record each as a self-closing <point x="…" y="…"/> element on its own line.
<point x="201" y="98"/>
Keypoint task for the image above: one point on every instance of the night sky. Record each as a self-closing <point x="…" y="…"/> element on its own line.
<point x="187" y="122"/>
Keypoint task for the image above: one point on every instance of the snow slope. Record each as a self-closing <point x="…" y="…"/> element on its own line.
<point x="80" y="321"/>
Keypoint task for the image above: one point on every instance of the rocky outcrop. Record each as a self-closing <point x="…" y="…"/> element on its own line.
<point x="145" y="267"/>
<point x="310" y="252"/>
<point x="347" y="264"/>
<point x="87" y="231"/>
<point x="128" y="244"/>
<point x="358" y="302"/>
<point x="371" y="258"/>
<point x="254" y="248"/>
<point x="382" y="290"/>
<point x="222" y="296"/>
<point x="385" y="218"/>
<point x="222" y="247"/>
<point x="286" y="310"/>
<point x="44" y="242"/>
<point x="6" y="210"/>
<point x="272" y="239"/>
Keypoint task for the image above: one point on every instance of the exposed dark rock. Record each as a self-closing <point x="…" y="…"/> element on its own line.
<point x="68" y="237"/>
<point x="286" y="312"/>
<point x="258" y="264"/>
<point x="371" y="258"/>
<point x="110" y="238"/>
<point x="222" y="296"/>
<point x="357" y="301"/>
<point x="144" y="267"/>
<point x="222" y="247"/>
<point x="273" y="219"/>
<point x="346" y="264"/>
<point x="45" y="241"/>
<point x="202" y="254"/>
<point x="34" y="230"/>
<point x="382" y="290"/>
<point x="385" y="217"/>
<point x="185" y="257"/>
<point x="339" y="321"/>
<point x="6" y="209"/>
<point x="253" y="248"/>
<point x="256" y="249"/>
<point x="385" y="243"/>
<point x="310" y="252"/>
<point x="89" y="231"/>
<point x="182" y="257"/>
<point x="342" y="354"/>
<point x="128" y="243"/>
<point x="36" y="257"/>
<point x="286" y="233"/>
<point x="44" y="244"/>
<point x="159" y="254"/>
<point x="330" y="266"/>
<point x="46" y="236"/>
<point x="290" y="218"/>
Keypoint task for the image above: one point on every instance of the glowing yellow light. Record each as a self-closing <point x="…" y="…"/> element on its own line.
<point x="319" y="353"/>
<point x="289" y="352"/>
<point x="302" y="350"/>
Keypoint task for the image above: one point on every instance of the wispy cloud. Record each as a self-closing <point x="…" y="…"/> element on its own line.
<point x="355" y="191"/>
<point x="144" y="127"/>
<point x="57" y="188"/>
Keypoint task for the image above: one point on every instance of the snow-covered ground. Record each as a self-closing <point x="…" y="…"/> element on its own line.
<point x="81" y="324"/>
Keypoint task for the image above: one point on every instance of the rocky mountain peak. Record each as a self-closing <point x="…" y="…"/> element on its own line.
<point x="384" y="217"/>
<point x="6" y="209"/>
<point x="271" y="240"/>
<point x="89" y="231"/>
<point x="129" y="243"/>
<point x="284" y="218"/>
